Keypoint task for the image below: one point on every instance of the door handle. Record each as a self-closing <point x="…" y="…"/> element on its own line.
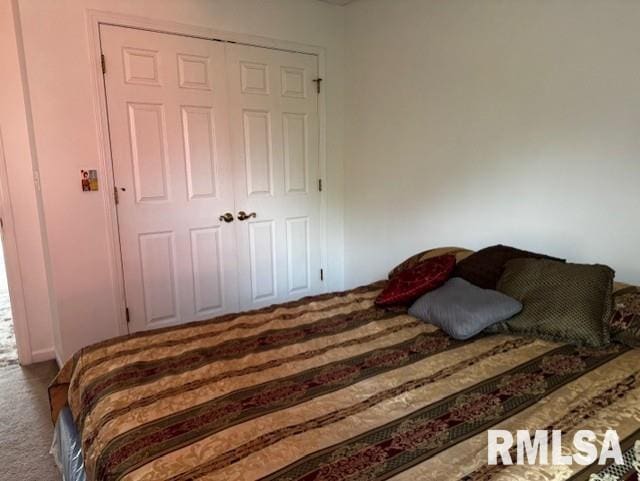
<point x="227" y="217"/>
<point x="242" y="215"/>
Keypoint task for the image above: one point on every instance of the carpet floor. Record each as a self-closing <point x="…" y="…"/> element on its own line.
<point x="25" y="425"/>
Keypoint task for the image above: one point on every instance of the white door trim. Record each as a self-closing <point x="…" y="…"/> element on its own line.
<point x="12" y="262"/>
<point x="94" y="19"/>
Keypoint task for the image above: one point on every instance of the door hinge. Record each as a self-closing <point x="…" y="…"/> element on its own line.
<point x="116" y="197"/>
<point x="126" y="312"/>
<point x="319" y="185"/>
<point x="103" y="64"/>
<point x="322" y="274"/>
<point x="318" y="81"/>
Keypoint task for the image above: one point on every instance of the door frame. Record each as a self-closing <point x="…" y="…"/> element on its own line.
<point x="12" y="267"/>
<point x="95" y="18"/>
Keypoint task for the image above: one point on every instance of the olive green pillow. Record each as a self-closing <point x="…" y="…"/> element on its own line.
<point x="561" y="302"/>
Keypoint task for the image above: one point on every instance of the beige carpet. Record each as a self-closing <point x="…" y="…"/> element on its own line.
<point x="25" y="426"/>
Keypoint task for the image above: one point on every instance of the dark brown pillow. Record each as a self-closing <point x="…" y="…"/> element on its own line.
<point x="485" y="267"/>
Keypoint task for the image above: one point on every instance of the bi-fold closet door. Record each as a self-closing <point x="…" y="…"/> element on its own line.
<point x="201" y="132"/>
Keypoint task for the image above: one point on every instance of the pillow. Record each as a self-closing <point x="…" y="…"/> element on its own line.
<point x="412" y="283"/>
<point x="485" y="267"/>
<point x="625" y="321"/>
<point x="462" y="310"/>
<point x="562" y="302"/>
<point x="416" y="259"/>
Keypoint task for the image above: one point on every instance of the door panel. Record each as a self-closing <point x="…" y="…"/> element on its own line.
<point x="257" y="152"/>
<point x="199" y="151"/>
<point x="274" y="136"/>
<point x="206" y="252"/>
<point x="169" y="126"/>
<point x="294" y="128"/>
<point x="262" y="255"/>
<point x="149" y="152"/>
<point x="157" y="261"/>
<point x="298" y="254"/>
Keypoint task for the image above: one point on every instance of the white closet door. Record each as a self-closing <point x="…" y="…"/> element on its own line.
<point x="274" y="130"/>
<point x="168" y="119"/>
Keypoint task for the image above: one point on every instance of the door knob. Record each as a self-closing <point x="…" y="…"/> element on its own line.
<point x="227" y="217"/>
<point x="242" y="215"/>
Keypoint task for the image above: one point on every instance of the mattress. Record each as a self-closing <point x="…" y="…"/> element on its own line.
<point x="334" y="388"/>
<point x="67" y="448"/>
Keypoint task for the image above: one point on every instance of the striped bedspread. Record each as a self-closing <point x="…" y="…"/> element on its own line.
<point x="333" y="388"/>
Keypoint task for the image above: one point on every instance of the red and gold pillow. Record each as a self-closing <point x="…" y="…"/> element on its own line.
<point x="416" y="259"/>
<point x="625" y="321"/>
<point x="411" y="283"/>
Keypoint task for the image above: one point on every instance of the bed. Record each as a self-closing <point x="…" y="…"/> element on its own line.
<point x="332" y="388"/>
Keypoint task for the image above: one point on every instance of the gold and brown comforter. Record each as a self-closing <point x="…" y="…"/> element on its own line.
<point x="333" y="388"/>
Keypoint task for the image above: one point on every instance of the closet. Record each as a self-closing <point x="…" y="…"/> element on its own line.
<point x="215" y="152"/>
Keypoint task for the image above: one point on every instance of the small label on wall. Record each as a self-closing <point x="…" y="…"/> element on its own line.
<point x="89" y="180"/>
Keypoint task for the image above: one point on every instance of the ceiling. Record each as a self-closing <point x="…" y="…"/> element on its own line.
<point x="338" y="2"/>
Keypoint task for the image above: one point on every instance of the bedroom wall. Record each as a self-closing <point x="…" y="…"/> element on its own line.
<point x="57" y="61"/>
<point x="472" y="123"/>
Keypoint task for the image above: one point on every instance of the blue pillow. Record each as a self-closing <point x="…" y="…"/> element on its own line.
<point x="463" y="310"/>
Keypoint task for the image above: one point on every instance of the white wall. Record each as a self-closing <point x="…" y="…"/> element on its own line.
<point x="477" y="122"/>
<point x="25" y="240"/>
<point x="463" y="122"/>
<point x="56" y="46"/>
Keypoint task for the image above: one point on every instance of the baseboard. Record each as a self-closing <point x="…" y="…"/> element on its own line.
<point x="43" y="355"/>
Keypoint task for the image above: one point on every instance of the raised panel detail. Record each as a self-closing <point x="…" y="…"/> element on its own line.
<point x="292" y="81"/>
<point x="199" y="151"/>
<point x="193" y="72"/>
<point x="149" y="152"/>
<point x="298" y="261"/>
<point x="263" y="259"/>
<point x="157" y="259"/>
<point x="254" y="78"/>
<point x="294" y="131"/>
<point x="206" y="256"/>
<point x="140" y="66"/>
<point x="257" y="148"/>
